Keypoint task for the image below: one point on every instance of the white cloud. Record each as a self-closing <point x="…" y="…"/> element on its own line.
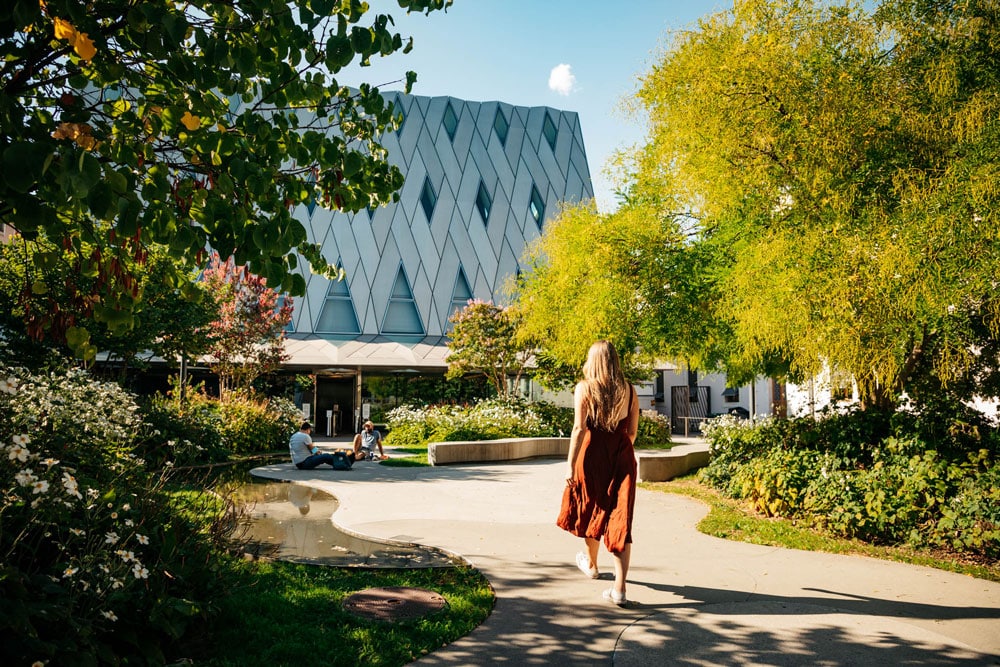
<point x="561" y="79"/>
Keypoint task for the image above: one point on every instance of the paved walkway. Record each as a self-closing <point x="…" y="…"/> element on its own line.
<point x="695" y="600"/>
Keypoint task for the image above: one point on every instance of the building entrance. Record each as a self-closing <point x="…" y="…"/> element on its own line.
<point x="334" y="410"/>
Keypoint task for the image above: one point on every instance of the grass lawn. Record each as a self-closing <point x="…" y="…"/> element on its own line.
<point x="736" y="520"/>
<point x="280" y="613"/>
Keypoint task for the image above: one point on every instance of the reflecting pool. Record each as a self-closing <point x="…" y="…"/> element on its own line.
<point x="294" y="520"/>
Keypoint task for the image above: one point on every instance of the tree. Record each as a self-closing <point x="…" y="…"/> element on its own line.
<point x="841" y="174"/>
<point x="247" y="340"/>
<point x="630" y="277"/>
<point x="195" y="125"/>
<point x="484" y="340"/>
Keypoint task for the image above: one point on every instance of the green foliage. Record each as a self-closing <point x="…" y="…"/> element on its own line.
<point x="653" y="431"/>
<point x="183" y="432"/>
<point x="183" y="124"/>
<point x="487" y="420"/>
<point x="846" y="475"/>
<point x="251" y="425"/>
<point x="96" y="566"/>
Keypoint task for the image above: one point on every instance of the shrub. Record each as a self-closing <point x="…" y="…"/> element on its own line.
<point x="654" y="430"/>
<point x="95" y="566"/>
<point x="252" y="425"/>
<point x="487" y="420"/>
<point x="183" y="432"/>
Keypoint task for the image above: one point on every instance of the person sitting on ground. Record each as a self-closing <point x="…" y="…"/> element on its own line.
<point x="366" y="441"/>
<point x="306" y="456"/>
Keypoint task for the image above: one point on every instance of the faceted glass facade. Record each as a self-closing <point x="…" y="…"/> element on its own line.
<point x="471" y="201"/>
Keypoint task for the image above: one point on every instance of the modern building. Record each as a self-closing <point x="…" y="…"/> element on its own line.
<point x="481" y="180"/>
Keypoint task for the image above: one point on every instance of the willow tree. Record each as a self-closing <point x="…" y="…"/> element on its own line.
<point x="630" y="277"/>
<point x="842" y="172"/>
<point x="193" y="125"/>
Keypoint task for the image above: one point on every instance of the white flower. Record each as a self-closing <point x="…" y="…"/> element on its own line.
<point x="129" y="522"/>
<point x="110" y="615"/>
<point x="126" y="507"/>
<point x="139" y="571"/>
<point x="111" y="538"/>
<point x="116" y="584"/>
<point x="70" y="571"/>
<point x="8" y="386"/>
<point x="41" y="486"/>
<point x="22" y="439"/>
<point x="127" y="556"/>
<point x="25" y="477"/>
<point x="77" y="532"/>
<point x="92" y="493"/>
<point x="142" y="539"/>
<point x="19" y="452"/>
<point x="69" y="483"/>
<point x="50" y="462"/>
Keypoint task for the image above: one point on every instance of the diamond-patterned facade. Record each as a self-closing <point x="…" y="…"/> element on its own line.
<point x="451" y="148"/>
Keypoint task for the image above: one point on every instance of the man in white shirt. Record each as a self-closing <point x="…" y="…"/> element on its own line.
<point x="366" y="442"/>
<point x="305" y="456"/>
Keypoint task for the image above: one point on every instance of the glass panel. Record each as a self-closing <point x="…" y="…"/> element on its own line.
<point x="550" y="131"/>
<point x="500" y="126"/>
<point x="337" y="315"/>
<point x="483" y="202"/>
<point x="428" y="198"/>
<point x="537" y="206"/>
<point x="401" y="317"/>
<point x="450" y="121"/>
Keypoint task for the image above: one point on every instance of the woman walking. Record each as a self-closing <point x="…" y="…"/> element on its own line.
<point x="600" y="485"/>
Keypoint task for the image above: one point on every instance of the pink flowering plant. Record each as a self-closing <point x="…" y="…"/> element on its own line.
<point x="88" y="546"/>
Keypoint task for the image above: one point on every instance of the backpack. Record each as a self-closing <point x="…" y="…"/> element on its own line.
<point x="340" y="461"/>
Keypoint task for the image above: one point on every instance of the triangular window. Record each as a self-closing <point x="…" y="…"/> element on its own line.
<point x="450" y="121"/>
<point x="402" y="317"/>
<point x="460" y="297"/>
<point x="500" y="126"/>
<point x="338" y="315"/>
<point x="290" y="327"/>
<point x="311" y="185"/>
<point x="401" y="117"/>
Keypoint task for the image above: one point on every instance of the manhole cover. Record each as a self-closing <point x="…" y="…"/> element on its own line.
<point x="393" y="603"/>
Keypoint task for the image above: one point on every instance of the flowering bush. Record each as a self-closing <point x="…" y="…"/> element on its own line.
<point x="89" y="552"/>
<point x="487" y="420"/>
<point x="654" y="430"/>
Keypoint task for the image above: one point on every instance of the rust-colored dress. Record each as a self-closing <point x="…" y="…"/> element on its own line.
<point x="601" y="500"/>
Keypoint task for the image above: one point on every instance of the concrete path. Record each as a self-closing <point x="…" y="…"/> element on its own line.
<point x="694" y="599"/>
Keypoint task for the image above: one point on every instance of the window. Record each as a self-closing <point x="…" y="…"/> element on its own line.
<point x="537" y="206"/>
<point x="401" y="316"/>
<point x="731" y="395"/>
<point x="337" y="315"/>
<point x="550" y="131"/>
<point x="311" y="184"/>
<point x="450" y="121"/>
<point x="500" y="126"/>
<point x="460" y="297"/>
<point x="428" y="198"/>
<point x="483" y="202"/>
<point x="371" y="211"/>
<point x="401" y="117"/>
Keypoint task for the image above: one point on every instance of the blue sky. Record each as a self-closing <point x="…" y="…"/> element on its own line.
<point x="483" y="50"/>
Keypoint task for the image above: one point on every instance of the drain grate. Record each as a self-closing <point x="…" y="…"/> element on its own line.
<point x="393" y="603"/>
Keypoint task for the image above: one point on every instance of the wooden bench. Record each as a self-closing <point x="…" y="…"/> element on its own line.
<point x="654" y="465"/>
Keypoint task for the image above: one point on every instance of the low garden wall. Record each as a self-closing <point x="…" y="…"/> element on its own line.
<point x="654" y="466"/>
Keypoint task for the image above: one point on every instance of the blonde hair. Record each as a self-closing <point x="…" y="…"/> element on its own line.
<point x="604" y="386"/>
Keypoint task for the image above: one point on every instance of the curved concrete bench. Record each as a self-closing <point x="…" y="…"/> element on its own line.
<point x="660" y="466"/>
<point x="654" y="465"/>
<point x="507" y="449"/>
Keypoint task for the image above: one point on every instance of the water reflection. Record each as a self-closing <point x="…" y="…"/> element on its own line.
<point x="295" y="520"/>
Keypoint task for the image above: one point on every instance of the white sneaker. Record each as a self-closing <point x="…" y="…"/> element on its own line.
<point x="583" y="562"/>
<point x="611" y="595"/>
